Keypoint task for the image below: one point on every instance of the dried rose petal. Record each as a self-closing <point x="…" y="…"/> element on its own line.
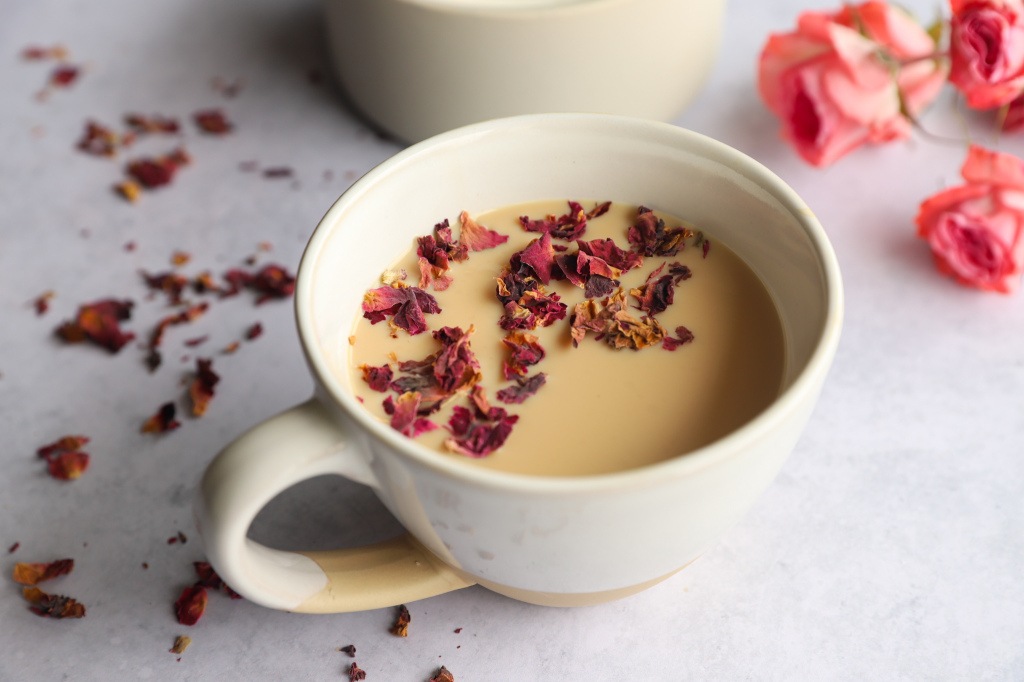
<point x="569" y="226"/>
<point x="613" y="324"/>
<point x="189" y="314"/>
<point x="42" y="302"/>
<point x="191" y="604"/>
<point x="156" y="123"/>
<point x="649" y="237"/>
<point x="192" y="343"/>
<point x="480" y="431"/>
<point x="442" y="675"/>
<point x="404" y="415"/>
<point x="212" y="121"/>
<point x="406" y="304"/>
<point x="683" y="336"/>
<point x="129" y="189"/>
<point x="272" y="281"/>
<point x="538" y="256"/>
<point x="13" y="548"/>
<point x="476" y="237"/>
<point x="524" y="388"/>
<point x="377" y="377"/>
<point x="99" y="140"/>
<point x="64" y="75"/>
<point x="162" y="421"/>
<point x="65" y="444"/>
<point x="35" y="573"/>
<point x="355" y="673"/>
<point x="52" y="605"/>
<point x="536" y="308"/>
<point x="254" y="331"/>
<point x="208" y="578"/>
<point x="524" y="351"/>
<point x="401" y="626"/>
<point x="201" y="389"/>
<point x="170" y="283"/>
<point x="99" y="323"/>
<point x="36" y="53"/>
<point x="156" y="172"/>
<point x="67" y="466"/>
<point x="349" y="649"/>
<point x="181" y="643"/>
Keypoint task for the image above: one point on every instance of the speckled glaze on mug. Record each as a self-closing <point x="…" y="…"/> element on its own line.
<point x="546" y="540"/>
<point x="417" y="68"/>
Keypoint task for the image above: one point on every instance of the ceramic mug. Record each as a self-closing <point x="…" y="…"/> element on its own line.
<point x="545" y="540"/>
<point x="417" y="68"/>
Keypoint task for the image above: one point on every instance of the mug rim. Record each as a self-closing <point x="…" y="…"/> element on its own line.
<point x="789" y="400"/>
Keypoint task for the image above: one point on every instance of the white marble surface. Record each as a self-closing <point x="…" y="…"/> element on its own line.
<point x="891" y="547"/>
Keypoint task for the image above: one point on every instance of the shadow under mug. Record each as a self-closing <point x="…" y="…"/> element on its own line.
<point x="546" y="540"/>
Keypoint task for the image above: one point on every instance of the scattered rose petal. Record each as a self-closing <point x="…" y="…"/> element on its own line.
<point x="278" y="172"/>
<point x="35" y="573"/>
<point x="192" y="343"/>
<point x="129" y="189"/>
<point x="99" y="140"/>
<point x="401" y="626"/>
<point x="156" y="172"/>
<point x="156" y="123"/>
<point x="355" y="673"/>
<point x="68" y="466"/>
<point x="36" y="53"/>
<point x="476" y="237"/>
<point x="524" y="388"/>
<point x="231" y="347"/>
<point x="52" y="605"/>
<point x="64" y="444"/>
<point x="208" y="578"/>
<point x="191" y="604"/>
<point x="163" y="421"/>
<point x="181" y="643"/>
<point x="42" y="302"/>
<point x="442" y="675"/>
<point x="254" y="331"/>
<point x="212" y="121"/>
<point x="153" y="358"/>
<point x="272" y="281"/>
<point x="64" y="76"/>
<point x="99" y="322"/>
<point x="201" y="389"/>
<point x="13" y="548"/>
<point x="349" y="649"/>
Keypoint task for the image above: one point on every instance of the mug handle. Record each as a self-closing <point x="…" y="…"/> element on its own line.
<point x="298" y="444"/>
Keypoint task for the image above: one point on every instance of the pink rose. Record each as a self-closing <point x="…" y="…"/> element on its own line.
<point x="976" y="230"/>
<point x="841" y="80"/>
<point x="986" y="48"/>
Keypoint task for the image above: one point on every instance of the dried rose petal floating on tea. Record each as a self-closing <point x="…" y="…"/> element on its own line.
<point x="404" y="304"/>
<point x="35" y="573"/>
<point x="405" y="417"/>
<point x="524" y="388"/>
<point x="480" y="430"/>
<point x="569" y="226"/>
<point x="379" y="378"/>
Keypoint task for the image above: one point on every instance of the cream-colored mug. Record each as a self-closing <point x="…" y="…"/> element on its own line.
<point x="417" y="68"/>
<point x="545" y="540"/>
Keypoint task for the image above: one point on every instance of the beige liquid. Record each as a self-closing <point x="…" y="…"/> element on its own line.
<point x="602" y="410"/>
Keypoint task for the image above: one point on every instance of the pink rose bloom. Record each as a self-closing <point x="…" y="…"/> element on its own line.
<point x="842" y="80"/>
<point x="976" y="230"/>
<point x="986" y="48"/>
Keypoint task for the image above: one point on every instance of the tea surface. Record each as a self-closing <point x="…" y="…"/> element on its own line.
<point x="601" y="410"/>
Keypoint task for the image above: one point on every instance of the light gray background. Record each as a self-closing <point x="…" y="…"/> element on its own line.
<point x="890" y="547"/>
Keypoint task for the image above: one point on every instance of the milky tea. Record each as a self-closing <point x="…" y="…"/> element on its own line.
<point x="601" y="409"/>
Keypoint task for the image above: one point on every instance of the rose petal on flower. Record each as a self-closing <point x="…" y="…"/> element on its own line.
<point x="191" y="604"/>
<point x="524" y="388"/>
<point x="212" y="121"/>
<point x="99" y="322"/>
<point x="402" y="620"/>
<point x="442" y="675"/>
<point x="35" y="573"/>
<point x="201" y="388"/>
<point x="67" y="466"/>
<point x="524" y="351"/>
<point x="379" y="378"/>
<point x="476" y="237"/>
<point x="162" y="421"/>
<point x="52" y="605"/>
